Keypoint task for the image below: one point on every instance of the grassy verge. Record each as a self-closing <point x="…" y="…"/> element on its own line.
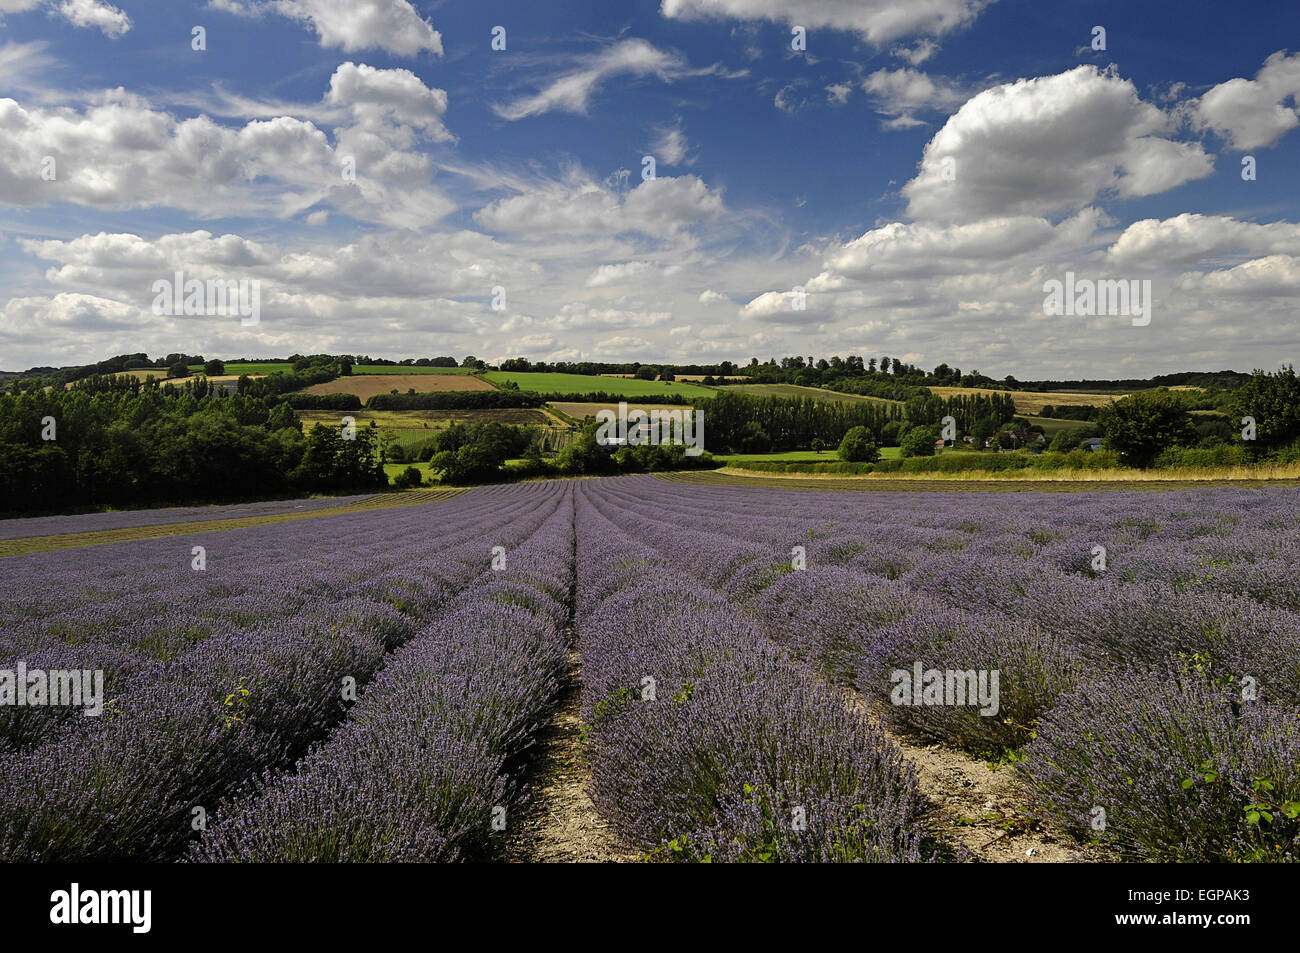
<point x="1155" y="480"/>
<point x="797" y="456"/>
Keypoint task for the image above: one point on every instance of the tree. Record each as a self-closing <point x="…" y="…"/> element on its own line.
<point x="919" y="442"/>
<point x="858" y="446"/>
<point x="818" y="445"/>
<point x="283" y="418"/>
<point x="753" y="438"/>
<point x="1141" y="425"/>
<point x="981" y="430"/>
<point x="214" y="368"/>
<point x="585" y="455"/>
<point x="1213" y="431"/>
<point x="1069" y="439"/>
<point x="1273" y="400"/>
<point x="179" y="369"/>
<point x="408" y="478"/>
<point x="474" y="454"/>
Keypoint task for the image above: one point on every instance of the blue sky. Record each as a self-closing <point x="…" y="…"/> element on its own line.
<point x="904" y="185"/>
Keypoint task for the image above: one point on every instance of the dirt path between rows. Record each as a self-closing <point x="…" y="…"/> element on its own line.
<point x="977" y="807"/>
<point x="558" y="823"/>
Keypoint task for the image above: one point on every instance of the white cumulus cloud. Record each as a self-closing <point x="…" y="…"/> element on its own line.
<point x="1050" y="144"/>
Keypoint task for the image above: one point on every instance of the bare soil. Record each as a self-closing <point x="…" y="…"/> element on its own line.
<point x="980" y="808"/>
<point x="558" y="823"/>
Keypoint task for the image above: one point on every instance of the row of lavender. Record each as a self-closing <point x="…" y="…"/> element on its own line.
<point x="217" y="674"/>
<point x="132" y="609"/>
<point x="420" y="770"/>
<point x="706" y="744"/>
<point x="1147" y="645"/>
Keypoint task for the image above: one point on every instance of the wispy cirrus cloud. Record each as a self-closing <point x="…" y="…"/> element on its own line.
<point x="572" y="91"/>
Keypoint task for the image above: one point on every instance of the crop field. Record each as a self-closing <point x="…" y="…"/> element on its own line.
<point x="795" y="390"/>
<point x="126" y="519"/>
<point x="413" y="426"/>
<point x="252" y="368"/>
<point x="697" y="378"/>
<point x="1031" y="402"/>
<point x="47" y="534"/>
<point x="547" y="383"/>
<point x="1053" y="425"/>
<point x="433" y="681"/>
<point x="368" y="385"/>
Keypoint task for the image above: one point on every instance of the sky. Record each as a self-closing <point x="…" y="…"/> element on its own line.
<point x="680" y="181"/>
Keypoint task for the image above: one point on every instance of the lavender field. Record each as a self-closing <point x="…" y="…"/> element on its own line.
<point x="378" y="686"/>
<point x="31" y="526"/>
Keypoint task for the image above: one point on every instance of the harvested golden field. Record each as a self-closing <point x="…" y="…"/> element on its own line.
<point x="798" y="390"/>
<point x="368" y="385"/>
<point x="1031" y="402"/>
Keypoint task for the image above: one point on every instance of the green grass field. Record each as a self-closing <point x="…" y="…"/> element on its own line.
<point x="582" y="384"/>
<point x="252" y="367"/>
<point x="589" y="409"/>
<point x="1053" y="425"/>
<point x="393" y="469"/>
<point x="794" y="390"/>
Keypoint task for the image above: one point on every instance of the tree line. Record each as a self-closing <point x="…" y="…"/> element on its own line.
<point x="120" y="442"/>
<point x="756" y="424"/>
